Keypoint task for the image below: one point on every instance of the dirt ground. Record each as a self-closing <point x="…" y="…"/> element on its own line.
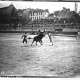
<point x="62" y="59"/>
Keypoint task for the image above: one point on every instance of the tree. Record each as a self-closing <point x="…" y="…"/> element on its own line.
<point x="75" y="16"/>
<point x="51" y="14"/>
<point x="25" y="17"/>
<point x="56" y="13"/>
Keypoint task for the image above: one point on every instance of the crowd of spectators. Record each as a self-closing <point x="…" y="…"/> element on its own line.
<point x="54" y="22"/>
<point x="44" y="24"/>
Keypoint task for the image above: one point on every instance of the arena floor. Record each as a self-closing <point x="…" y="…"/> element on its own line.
<point x="62" y="59"/>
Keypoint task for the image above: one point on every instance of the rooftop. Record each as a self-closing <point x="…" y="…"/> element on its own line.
<point x="38" y="10"/>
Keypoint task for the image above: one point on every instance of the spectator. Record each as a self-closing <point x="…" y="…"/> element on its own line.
<point x="78" y="34"/>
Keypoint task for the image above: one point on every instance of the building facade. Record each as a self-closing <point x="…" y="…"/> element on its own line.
<point x="36" y="14"/>
<point x="8" y="11"/>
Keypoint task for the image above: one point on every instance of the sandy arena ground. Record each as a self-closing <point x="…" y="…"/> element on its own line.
<point x="60" y="60"/>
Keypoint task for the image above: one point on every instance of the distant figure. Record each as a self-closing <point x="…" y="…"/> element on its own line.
<point x="39" y="31"/>
<point x="50" y="37"/>
<point x="24" y="37"/>
<point x="78" y="34"/>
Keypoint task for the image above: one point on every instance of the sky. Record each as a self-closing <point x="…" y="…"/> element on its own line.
<point x="52" y="6"/>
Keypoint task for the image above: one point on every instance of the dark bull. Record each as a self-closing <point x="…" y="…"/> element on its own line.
<point x="38" y="38"/>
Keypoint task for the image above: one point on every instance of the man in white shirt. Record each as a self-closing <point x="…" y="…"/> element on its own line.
<point x="50" y="37"/>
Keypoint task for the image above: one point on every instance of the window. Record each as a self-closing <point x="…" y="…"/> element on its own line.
<point x="30" y="14"/>
<point x="33" y="14"/>
<point x="34" y="18"/>
<point x="31" y="18"/>
<point x="37" y="13"/>
<point x="37" y="18"/>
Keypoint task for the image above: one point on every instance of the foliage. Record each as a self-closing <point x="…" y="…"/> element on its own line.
<point x="75" y="16"/>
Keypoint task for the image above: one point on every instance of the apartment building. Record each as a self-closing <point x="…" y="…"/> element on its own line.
<point x="36" y="14"/>
<point x="8" y="11"/>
